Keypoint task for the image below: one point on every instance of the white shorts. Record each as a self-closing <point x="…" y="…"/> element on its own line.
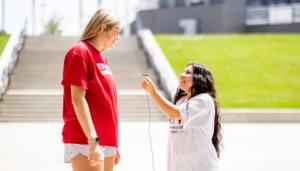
<point x="71" y="150"/>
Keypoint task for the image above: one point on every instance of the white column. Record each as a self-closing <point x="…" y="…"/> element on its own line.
<point x="99" y="3"/>
<point x="3" y="16"/>
<point x="80" y="15"/>
<point x="127" y="22"/>
<point x="33" y="17"/>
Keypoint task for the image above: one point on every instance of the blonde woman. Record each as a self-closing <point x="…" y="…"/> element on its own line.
<point x="90" y="113"/>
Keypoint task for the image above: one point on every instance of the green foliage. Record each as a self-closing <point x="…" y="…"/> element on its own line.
<point x="3" y="39"/>
<point x="52" y="27"/>
<point x="250" y="70"/>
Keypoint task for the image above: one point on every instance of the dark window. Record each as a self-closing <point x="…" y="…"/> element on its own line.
<point x="272" y="2"/>
<point x="269" y="2"/>
<point x="180" y="3"/>
<point x="163" y="4"/>
<point x="217" y="1"/>
<point x="254" y="2"/>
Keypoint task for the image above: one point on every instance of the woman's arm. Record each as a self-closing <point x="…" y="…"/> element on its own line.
<point x="164" y="105"/>
<point x="82" y="111"/>
<point x="84" y="117"/>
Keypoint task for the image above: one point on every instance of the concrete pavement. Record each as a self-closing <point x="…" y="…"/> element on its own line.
<point x="247" y="147"/>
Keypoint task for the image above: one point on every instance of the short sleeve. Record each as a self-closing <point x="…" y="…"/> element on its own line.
<point x="75" y="71"/>
<point x="192" y="108"/>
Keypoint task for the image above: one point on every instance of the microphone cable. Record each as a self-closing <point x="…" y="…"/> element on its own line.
<point x="149" y="130"/>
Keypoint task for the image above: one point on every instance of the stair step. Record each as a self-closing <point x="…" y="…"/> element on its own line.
<point x="35" y="91"/>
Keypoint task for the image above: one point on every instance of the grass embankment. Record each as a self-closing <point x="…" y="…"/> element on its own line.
<point x="3" y="40"/>
<point x="251" y="70"/>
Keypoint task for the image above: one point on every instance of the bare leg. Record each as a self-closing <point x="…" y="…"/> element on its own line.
<point x="81" y="163"/>
<point x="109" y="163"/>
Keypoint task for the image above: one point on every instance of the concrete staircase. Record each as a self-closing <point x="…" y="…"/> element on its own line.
<point x="35" y="93"/>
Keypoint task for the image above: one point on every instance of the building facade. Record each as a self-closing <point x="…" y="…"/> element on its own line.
<point x="222" y="16"/>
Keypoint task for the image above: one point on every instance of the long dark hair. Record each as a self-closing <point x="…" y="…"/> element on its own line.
<point x="203" y="82"/>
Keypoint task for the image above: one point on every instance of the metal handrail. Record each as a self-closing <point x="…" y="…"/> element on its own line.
<point x="159" y="62"/>
<point x="10" y="56"/>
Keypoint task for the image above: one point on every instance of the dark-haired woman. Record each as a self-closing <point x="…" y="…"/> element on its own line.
<point x="194" y="139"/>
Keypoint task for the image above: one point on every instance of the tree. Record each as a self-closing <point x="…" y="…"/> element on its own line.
<point x="52" y="27"/>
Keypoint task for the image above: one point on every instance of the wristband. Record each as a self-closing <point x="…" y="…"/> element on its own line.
<point x="93" y="140"/>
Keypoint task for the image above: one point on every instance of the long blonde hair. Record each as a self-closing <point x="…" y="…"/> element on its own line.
<point x="94" y="26"/>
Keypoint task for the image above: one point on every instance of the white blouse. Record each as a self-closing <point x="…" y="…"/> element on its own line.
<point x="190" y="140"/>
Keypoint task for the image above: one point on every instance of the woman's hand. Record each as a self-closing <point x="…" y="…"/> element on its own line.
<point x="148" y="85"/>
<point x="118" y="156"/>
<point x="164" y="105"/>
<point x="94" y="153"/>
<point x="84" y="117"/>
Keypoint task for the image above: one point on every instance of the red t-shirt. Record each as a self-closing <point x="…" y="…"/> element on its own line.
<point x="86" y="67"/>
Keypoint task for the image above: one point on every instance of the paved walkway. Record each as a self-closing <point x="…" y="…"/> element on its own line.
<point x="248" y="147"/>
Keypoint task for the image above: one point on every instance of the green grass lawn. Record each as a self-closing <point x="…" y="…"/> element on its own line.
<point x="251" y="70"/>
<point x="3" y="39"/>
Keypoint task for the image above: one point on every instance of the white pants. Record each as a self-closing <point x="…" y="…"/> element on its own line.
<point x="71" y="150"/>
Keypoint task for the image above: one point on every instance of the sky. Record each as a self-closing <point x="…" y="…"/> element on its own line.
<point x="67" y="11"/>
